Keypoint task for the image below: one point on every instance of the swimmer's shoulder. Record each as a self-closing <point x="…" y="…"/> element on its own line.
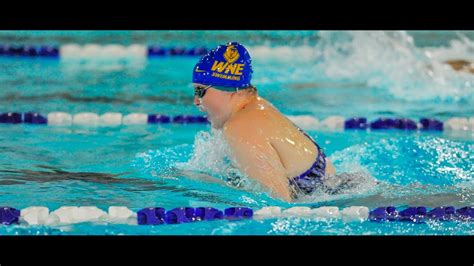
<point x="239" y="125"/>
<point x="256" y="111"/>
<point x="258" y="118"/>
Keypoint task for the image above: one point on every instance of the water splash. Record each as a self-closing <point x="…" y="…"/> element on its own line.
<point x="211" y="155"/>
<point x="408" y="159"/>
<point x="207" y="159"/>
<point x="382" y="169"/>
<point x="416" y="169"/>
<point x="385" y="60"/>
<point x="162" y="163"/>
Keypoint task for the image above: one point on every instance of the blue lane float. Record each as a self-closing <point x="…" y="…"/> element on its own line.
<point x="208" y="214"/>
<point x="465" y="213"/>
<point x="180" y="215"/>
<point x="421" y="214"/>
<point x="9" y="215"/>
<point x="158" y="119"/>
<point x="442" y="213"/>
<point x="431" y="124"/>
<point x="397" y="123"/>
<point x="151" y="216"/>
<point x="11" y="118"/>
<point x="383" y="123"/>
<point x="34" y="118"/>
<point x="182" y="119"/>
<point x="413" y="214"/>
<point x="405" y="123"/>
<point x="29" y="50"/>
<point x="383" y="214"/>
<point x="238" y="213"/>
<point x="393" y="123"/>
<point x="157" y="215"/>
<point x="356" y="123"/>
<point x="156" y="51"/>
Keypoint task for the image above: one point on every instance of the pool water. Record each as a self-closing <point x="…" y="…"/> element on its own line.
<point x="371" y="74"/>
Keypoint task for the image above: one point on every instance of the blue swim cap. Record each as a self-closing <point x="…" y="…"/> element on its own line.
<point x="227" y="65"/>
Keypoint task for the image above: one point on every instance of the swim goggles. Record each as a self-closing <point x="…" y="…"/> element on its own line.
<point x="200" y="91"/>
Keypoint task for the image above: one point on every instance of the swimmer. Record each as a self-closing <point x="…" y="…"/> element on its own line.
<point x="461" y="65"/>
<point x="265" y="145"/>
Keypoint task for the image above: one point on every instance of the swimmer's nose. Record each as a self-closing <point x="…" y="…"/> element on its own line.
<point x="196" y="101"/>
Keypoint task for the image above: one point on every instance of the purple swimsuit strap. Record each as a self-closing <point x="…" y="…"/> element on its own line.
<point x="320" y="159"/>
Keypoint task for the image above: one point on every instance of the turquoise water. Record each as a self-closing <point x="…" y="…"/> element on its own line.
<point x="368" y="74"/>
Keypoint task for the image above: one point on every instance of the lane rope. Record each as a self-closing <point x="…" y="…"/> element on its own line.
<point x="304" y="121"/>
<point x="66" y="215"/>
<point x="97" y="52"/>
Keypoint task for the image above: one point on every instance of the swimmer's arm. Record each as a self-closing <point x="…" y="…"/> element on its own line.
<point x="258" y="159"/>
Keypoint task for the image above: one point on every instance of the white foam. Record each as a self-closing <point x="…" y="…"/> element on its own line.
<point x="59" y="119"/>
<point x="211" y="155"/>
<point x="86" y="118"/>
<point x="457" y="49"/>
<point x="391" y="61"/>
<point x="135" y="119"/>
<point x="284" y="53"/>
<point x="386" y="60"/>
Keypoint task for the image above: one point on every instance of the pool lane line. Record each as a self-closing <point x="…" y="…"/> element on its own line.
<point x="96" y="51"/>
<point x="304" y="121"/>
<point x="66" y="215"/>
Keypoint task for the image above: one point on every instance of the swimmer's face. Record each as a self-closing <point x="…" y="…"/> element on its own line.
<point x="215" y="103"/>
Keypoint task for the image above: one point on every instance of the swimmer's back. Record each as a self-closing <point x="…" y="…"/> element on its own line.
<point x="296" y="151"/>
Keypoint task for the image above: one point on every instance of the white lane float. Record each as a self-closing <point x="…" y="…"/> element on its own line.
<point x="326" y="213"/>
<point x="135" y="119"/>
<point x="355" y="213"/>
<point x="59" y="119"/>
<point x="268" y="212"/>
<point x="111" y="119"/>
<point x="86" y="119"/>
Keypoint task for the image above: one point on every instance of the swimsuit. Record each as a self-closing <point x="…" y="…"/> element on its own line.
<point x="311" y="178"/>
